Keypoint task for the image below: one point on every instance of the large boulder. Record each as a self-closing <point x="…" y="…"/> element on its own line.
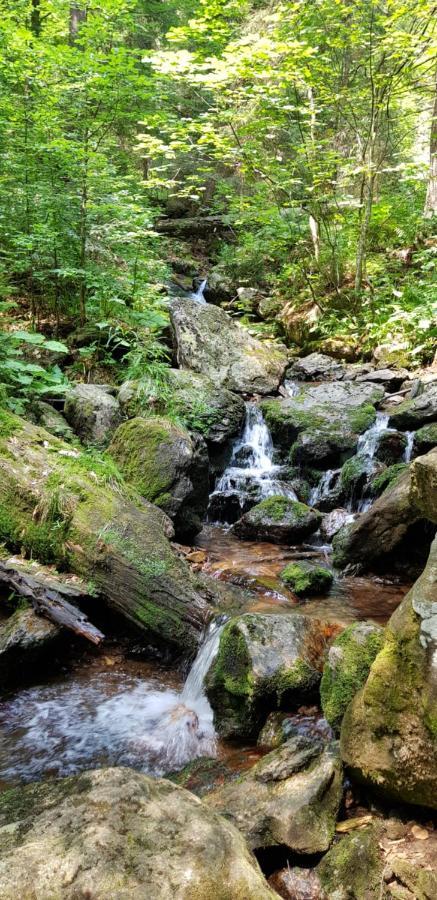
<point x="425" y="438"/>
<point x="279" y="520"/>
<point x="24" y="639"/>
<point x="307" y="579"/>
<point x="317" y="367"/>
<point x="93" y="413"/>
<point x="412" y="414"/>
<point x="167" y="466"/>
<point x="208" y="341"/>
<point x="263" y="662"/>
<point x="68" y="507"/>
<point x="393" y="530"/>
<point x="198" y="402"/>
<point x="290" y="798"/>
<point x="323" y="422"/>
<point x="115" y="833"/>
<point x="347" y="667"/>
<point x="389" y="731"/>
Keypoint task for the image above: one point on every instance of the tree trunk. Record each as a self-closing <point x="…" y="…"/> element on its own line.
<point x="78" y="14"/>
<point x="35" y="18"/>
<point x="431" y="194"/>
<point x="360" y="269"/>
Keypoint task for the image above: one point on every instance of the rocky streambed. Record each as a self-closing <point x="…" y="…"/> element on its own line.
<point x="263" y="567"/>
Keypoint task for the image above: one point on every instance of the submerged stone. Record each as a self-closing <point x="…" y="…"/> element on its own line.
<point x="278" y="519"/>
<point x="306" y="579"/>
<point x="290" y="798"/>
<point x="115" y="833"/>
<point x="347" y="667"/>
<point x="263" y="663"/>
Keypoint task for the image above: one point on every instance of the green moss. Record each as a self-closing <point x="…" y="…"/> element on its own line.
<point x="9" y="527"/>
<point x="352" y="471"/>
<point x="426" y="438"/>
<point x="149" y="568"/>
<point x="9" y="424"/>
<point x="44" y="541"/>
<point x="141" y="448"/>
<point x="347" y="669"/>
<point x="232" y="667"/>
<point x="362" y="418"/>
<point x="278" y="507"/>
<point x="387" y="478"/>
<point x="306" y="579"/>
<point x="300" y="675"/>
<point x="353" y="867"/>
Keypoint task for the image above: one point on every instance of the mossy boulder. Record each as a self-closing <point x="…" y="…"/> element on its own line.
<point x="347" y="667"/>
<point x="278" y="519"/>
<point x="115" y="833"/>
<point x="306" y="579"/>
<point x="387" y="477"/>
<point x="52" y="420"/>
<point x="424" y="484"/>
<point x="353" y="868"/>
<point x="425" y="438"/>
<point x="354" y="475"/>
<point x="263" y="662"/>
<point x="199" y="403"/>
<point x="413" y="414"/>
<point x="389" y="730"/>
<point x="209" y="342"/>
<point x="93" y="413"/>
<point x="290" y="798"/>
<point x="167" y="466"/>
<point x="73" y="508"/>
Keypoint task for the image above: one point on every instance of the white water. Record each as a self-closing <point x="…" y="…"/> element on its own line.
<point x="199" y="294"/>
<point x="410" y="435"/>
<point x="368" y="441"/>
<point x="256" y="471"/>
<point x="111" y="719"/>
<point x="325" y="484"/>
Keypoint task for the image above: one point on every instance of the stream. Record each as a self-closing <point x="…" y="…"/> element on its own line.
<point x="111" y="710"/>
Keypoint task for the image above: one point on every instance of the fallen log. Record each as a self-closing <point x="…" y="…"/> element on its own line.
<point x="50" y="602"/>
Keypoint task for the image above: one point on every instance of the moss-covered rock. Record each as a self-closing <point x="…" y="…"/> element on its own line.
<point x="425" y="438"/>
<point x="306" y="579"/>
<point x="24" y="639"/>
<point x="354" y="475"/>
<point x="353" y="868"/>
<point x="424" y="484"/>
<point x="167" y="466"/>
<point x="52" y="420"/>
<point x="290" y="798"/>
<point x="93" y="413"/>
<point x="412" y="414"/>
<point x="389" y="731"/>
<point x="209" y="342"/>
<point x="74" y="508"/>
<point x="385" y="479"/>
<point x="347" y="667"/>
<point x="263" y="662"/>
<point x="278" y="519"/>
<point x="115" y="833"/>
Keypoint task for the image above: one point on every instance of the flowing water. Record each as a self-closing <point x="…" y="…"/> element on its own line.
<point x="325" y="485"/>
<point x="251" y="475"/>
<point x="368" y="441"/>
<point x="132" y="715"/>
<point x="408" y="452"/>
<point x="199" y="294"/>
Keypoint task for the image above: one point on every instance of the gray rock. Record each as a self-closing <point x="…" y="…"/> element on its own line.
<point x="412" y="414"/>
<point x="279" y="520"/>
<point x="390" y="379"/>
<point x="52" y="420"/>
<point x="208" y="341"/>
<point x="291" y="797"/>
<point x="390" y="447"/>
<point x="24" y="639"/>
<point x="263" y="661"/>
<point x="93" y="413"/>
<point x="332" y="522"/>
<point x="317" y="367"/>
<point x="115" y="833"/>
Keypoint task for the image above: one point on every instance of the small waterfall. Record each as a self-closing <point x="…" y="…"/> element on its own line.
<point x="199" y="294"/>
<point x="324" y="486"/>
<point x="368" y="441"/>
<point x="251" y="475"/>
<point x="408" y="452"/>
<point x="193" y="689"/>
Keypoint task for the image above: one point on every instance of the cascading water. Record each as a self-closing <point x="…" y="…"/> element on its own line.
<point x="324" y="486"/>
<point x="112" y="719"/>
<point x="199" y="294"/>
<point x="251" y="475"/>
<point x="368" y="441"/>
<point x="408" y="452"/>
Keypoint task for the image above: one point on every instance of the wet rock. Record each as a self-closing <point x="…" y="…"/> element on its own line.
<point x="413" y="414"/>
<point x="391" y="447"/>
<point x="425" y="439"/>
<point x="388" y="734"/>
<point x="216" y="413"/>
<point x="167" y="466"/>
<point x="347" y="668"/>
<point x="111" y="535"/>
<point x="332" y="523"/>
<point x="24" y="639"/>
<point x="118" y="833"/>
<point x="307" y="579"/>
<point x="279" y="520"/>
<point x="291" y="797"/>
<point x="263" y="663"/>
<point x="219" y="287"/>
<point x="316" y="367"/>
<point x="208" y="341"/>
<point x="355" y="474"/>
<point x="323" y="422"/>
<point x="52" y="420"/>
<point x="381" y="481"/>
<point x="293" y="883"/>
<point x="93" y="413"/>
<point x="353" y="868"/>
<point x="281" y="726"/>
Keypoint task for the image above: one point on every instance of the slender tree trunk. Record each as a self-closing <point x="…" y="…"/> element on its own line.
<point x="431" y="193"/>
<point x="360" y="268"/>
<point x="83" y="233"/>
<point x="313" y="223"/>
<point x="35" y="18"/>
<point x="78" y="14"/>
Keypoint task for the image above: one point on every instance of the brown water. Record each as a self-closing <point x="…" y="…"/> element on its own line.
<point x="257" y="566"/>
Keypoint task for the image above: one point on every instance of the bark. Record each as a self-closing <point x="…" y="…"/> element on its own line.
<point x="431" y="194"/>
<point x="50" y="602"/>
